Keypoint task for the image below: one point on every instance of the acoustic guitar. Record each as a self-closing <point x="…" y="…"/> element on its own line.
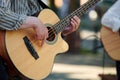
<point x="23" y="51"/>
<point x="111" y="42"/>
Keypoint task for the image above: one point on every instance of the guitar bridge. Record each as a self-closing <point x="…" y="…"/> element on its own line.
<point x="30" y="47"/>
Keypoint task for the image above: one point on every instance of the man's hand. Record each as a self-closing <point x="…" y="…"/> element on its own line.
<point x="74" y="24"/>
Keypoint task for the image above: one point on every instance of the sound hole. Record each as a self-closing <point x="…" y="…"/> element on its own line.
<point x="51" y="33"/>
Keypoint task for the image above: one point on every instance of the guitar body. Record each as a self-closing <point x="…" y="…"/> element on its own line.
<point x="21" y="57"/>
<point x="111" y="42"/>
<point x="21" y="51"/>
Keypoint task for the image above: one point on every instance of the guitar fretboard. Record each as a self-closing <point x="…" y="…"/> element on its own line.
<point x="60" y="26"/>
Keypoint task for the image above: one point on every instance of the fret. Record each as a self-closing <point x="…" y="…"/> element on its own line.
<point x="60" y="26"/>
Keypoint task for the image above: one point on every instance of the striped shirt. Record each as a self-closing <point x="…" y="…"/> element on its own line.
<point x="14" y="12"/>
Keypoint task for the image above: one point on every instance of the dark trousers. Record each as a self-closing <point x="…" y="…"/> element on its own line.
<point x="3" y="71"/>
<point x="118" y="69"/>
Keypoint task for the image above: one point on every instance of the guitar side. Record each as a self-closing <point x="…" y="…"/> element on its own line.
<point x="20" y="55"/>
<point x="111" y="42"/>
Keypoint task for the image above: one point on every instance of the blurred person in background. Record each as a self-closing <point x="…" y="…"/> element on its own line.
<point x="111" y="19"/>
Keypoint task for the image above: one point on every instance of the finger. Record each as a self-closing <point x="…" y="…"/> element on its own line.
<point x="74" y="24"/>
<point x="41" y="35"/>
<point x="43" y="41"/>
<point x="46" y="35"/>
<point x="76" y="19"/>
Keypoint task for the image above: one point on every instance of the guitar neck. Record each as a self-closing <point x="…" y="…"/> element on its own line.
<point x="60" y="26"/>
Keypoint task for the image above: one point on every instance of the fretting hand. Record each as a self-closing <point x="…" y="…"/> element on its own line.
<point x="74" y="24"/>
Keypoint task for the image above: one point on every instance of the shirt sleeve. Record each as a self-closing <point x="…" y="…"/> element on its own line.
<point x="111" y="18"/>
<point x="10" y="20"/>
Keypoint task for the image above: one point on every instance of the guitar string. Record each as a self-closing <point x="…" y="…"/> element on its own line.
<point x="83" y="9"/>
<point x="80" y="10"/>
